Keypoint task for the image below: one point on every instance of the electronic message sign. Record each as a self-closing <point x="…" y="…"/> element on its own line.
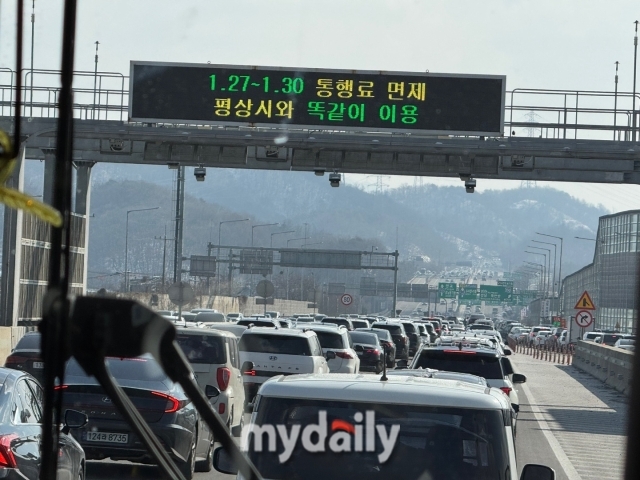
<point x="326" y="99"/>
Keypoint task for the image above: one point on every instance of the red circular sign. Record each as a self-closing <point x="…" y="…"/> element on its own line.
<point x="584" y="318"/>
<point x="346" y="299"/>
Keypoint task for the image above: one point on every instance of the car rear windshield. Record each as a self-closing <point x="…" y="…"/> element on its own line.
<point x="393" y="329"/>
<point x="360" y="323"/>
<point x="432" y="442"/>
<point x="383" y="334"/>
<point x="408" y="327"/>
<point x="283" y="344"/>
<point x="465" y="361"/>
<point x="29" y="342"/>
<point x="331" y="340"/>
<point x="202" y="348"/>
<point x="611" y="339"/>
<point x="140" y="368"/>
<point x="256" y="323"/>
<point x="337" y="321"/>
<point x="364" y="338"/>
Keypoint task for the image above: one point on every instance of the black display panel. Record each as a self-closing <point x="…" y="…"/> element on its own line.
<point x="330" y="99"/>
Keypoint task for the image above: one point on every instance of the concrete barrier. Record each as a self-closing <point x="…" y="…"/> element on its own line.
<point x="610" y="365"/>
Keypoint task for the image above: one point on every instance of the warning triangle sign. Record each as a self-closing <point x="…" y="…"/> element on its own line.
<point x="585" y="302"/>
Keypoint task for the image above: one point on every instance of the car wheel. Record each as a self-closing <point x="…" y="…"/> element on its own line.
<point x="206" y="465"/>
<point x="188" y="468"/>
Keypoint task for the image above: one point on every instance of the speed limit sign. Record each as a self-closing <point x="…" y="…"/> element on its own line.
<point x="346" y="299"/>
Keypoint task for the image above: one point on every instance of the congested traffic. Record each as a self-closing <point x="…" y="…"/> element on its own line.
<point x="440" y="389"/>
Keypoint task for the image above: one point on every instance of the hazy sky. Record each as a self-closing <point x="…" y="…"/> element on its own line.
<point x="554" y="44"/>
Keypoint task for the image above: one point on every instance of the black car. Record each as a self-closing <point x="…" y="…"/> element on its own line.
<point x="341" y="322"/>
<point x="414" y="336"/>
<point x="399" y="336"/>
<point x="386" y="340"/>
<point x="257" y="323"/>
<point x="26" y="356"/>
<point x="369" y="350"/>
<point x="162" y="403"/>
<point x="21" y="431"/>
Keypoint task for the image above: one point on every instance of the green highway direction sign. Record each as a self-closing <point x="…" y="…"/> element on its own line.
<point x="508" y="288"/>
<point x="447" y="290"/>
<point x="492" y="294"/>
<point x="468" y="292"/>
<point x="524" y="297"/>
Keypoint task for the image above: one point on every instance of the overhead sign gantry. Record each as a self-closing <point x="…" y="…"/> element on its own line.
<point x="447" y="104"/>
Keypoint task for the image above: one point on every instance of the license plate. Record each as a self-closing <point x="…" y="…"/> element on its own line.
<point x="106" y="437"/>
<point x="38" y="365"/>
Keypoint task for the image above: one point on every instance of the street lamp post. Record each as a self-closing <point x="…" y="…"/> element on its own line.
<point x="548" y="250"/>
<point x="280" y="233"/>
<point x="288" y="242"/>
<point x="539" y="270"/>
<point x="544" y="271"/>
<point x="560" y="266"/>
<point x="555" y="255"/>
<point x="635" y="63"/>
<point x="253" y="227"/>
<point x="218" y="257"/>
<point x="126" y="245"/>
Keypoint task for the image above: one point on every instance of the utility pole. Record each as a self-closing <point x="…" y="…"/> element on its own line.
<point x="177" y="257"/>
<point x="95" y="83"/>
<point x="635" y="62"/>
<point x="33" y="36"/>
<point x="615" y="102"/>
<point x="164" y="255"/>
<point x="395" y="284"/>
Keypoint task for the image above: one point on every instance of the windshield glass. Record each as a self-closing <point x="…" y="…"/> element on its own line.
<point x="432" y="442"/>
<point x="364" y="338"/>
<point x="142" y="368"/>
<point x="391" y="160"/>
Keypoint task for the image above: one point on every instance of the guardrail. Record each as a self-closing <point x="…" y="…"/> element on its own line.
<point x="537" y="113"/>
<point x="611" y="365"/>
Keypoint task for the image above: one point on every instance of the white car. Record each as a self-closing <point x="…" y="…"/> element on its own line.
<point x="626" y="344"/>
<point x="215" y="361"/>
<point x="267" y="352"/>
<point x="534" y="332"/>
<point x="592" y="336"/>
<point x="337" y="340"/>
<point x="541" y="337"/>
<point x="424" y="428"/>
<point x="234" y="316"/>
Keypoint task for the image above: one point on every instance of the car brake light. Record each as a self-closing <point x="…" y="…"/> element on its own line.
<point x="251" y="373"/>
<point x="60" y="387"/>
<point x="15" y="360"/>
<point x="463" y="352"/>
<point x="7" y="460"/>
<point x="506" y="390"/>
<point x="174" y="403"/>
<point x="344" y="355"/>
<point x="372" y="350"/>
<point x="221" y="408"/>
<point x="223" y="375"/>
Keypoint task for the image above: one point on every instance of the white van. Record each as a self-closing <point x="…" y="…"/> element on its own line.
<point x="210" y="317"/>
<point x="215" y="360"/>
<point x="278" y="351"/>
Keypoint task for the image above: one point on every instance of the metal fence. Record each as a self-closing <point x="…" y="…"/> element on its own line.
<point x="539" y="113"/>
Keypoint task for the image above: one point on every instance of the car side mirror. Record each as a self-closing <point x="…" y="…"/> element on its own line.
<point x="74" y="419"/>
<point x="211" y="392"/>
<point x="537" y="472"/>
<point x="223" y="462"/>
<point x="518" y="378"/>
<point x="330" y="355"/>
<point x="401" y="364"/>
<point x="507" y="351"/>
